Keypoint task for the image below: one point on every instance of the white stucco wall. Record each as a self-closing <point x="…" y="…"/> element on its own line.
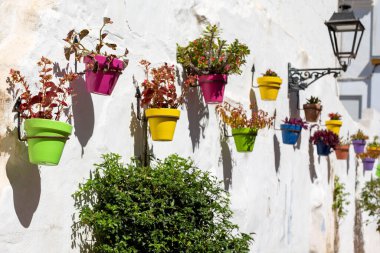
<point x="280" y="192"/>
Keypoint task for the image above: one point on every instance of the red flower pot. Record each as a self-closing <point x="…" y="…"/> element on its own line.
<point x="212" y="87"/>
<point x="102" y="81"/>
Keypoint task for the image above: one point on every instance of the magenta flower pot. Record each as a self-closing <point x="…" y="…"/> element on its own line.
<point x="102" y="82"/>
<point x="359" y="146"/>
<point x="212" y="87"/>
<point x="368" y="163"/>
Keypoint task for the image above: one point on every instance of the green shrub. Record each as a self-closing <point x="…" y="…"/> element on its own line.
<point x="370" y="200"/>
<point x="339" y="198"/>
<point x="171" y="206"/>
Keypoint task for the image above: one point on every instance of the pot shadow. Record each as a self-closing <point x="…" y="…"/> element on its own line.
<point x="293" y="105"/>
<point x="23" y="177"/>
<point x="277" y="153"/>
<point x="328" y="169"/>
<point x="313" y="173"/>
<point x="83" y="111"/>
<point x="197" y="111"/>
<point x="298" y="143"/>
<point x="82" y="107"/>
<point x="226" y="160"/>
<point x="136" y="129"/>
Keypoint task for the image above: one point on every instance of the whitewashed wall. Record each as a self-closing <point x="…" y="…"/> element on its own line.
<point x="280" y="192"/>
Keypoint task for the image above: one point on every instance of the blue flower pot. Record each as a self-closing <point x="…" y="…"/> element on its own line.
<point x="290" y="133"/>
<point x="323" y="149"/>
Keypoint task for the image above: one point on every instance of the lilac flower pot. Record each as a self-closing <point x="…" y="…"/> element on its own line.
<point x="368" y="163"/>
<point x="359" y="146"/>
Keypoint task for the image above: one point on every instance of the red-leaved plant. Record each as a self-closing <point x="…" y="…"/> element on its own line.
<point x="159" y="91"/>
<point x="328" y="137"/>
<point x="270" y="72"/>
<point x="236" y="117"/>
<point x="335" y="116"/>
<point x="297" y="122"/>
<point x="49" y="100"/>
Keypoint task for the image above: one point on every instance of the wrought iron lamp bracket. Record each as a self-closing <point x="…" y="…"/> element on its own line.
<point x="300" y="79"/>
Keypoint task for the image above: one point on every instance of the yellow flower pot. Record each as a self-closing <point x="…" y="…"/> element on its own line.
<point x="269" y="86"/>
<point x="162" y="122"/>
<point x="334" y="125"/>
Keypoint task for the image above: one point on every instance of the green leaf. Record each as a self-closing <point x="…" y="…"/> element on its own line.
<point x="111" y="45"/>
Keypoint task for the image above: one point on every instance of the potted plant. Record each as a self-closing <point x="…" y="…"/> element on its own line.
<point x="291" y="130"/>
<point x="170" y="206"/>
<point x="160" y="100"/>
<point x="244" y="130"/>
<point x="374" y="145"/>
<point x="102" y="68"/>
<point x="325" y="141"/>
<point x="370" y="201"/>
<point x="342" y="149"/>
<point x="42" y="108"/>
<point x="209" y="60"/>
<point x="359" y="140"/>
<point x="312" y="109"/>
<point x="269" y="84"/>
<point x="368" y="158"/>
<point x="334" y="123"/>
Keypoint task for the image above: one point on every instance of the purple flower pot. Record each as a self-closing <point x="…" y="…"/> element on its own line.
<point x="368" y="163"/>
<point x="359" y="146"/>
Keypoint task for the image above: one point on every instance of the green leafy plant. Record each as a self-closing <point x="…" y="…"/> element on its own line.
<point x="270" y="72"/>
<point x="339" y="198"/>
<point x="236" y="117"/>
<point x="344" y="141"/>
<point x="171" y="206"/>
<point x="359" y="135"/>
<point x="313" y="100"/>
<point x="76" y="47"/>
<point x="210" y="54"/>
<point x="370" y="200"/>
<point x="374" y="143"/>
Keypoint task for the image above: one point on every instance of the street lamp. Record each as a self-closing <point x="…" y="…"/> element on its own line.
<point x="346" y="33"/>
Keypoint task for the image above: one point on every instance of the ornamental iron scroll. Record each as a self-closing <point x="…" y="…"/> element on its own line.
<point x="300" y="79"/>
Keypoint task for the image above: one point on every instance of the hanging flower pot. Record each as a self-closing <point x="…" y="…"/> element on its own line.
<point x="160" y="98"/>
<point x="291" y="130"/>
<point x="325" y="140"/>
<point x="102" y="68"/>
<point x="334" y="123"/>
<point x="103" y="80"/>
<point x="244" y="129"/>
<point x="42" y="108"/>
<point x="162" y="123"/>
<point x="342" y="152"/>
<point x="368" y="163"/>
<point x="269" y="85"/>
<point x="209" y="62"/>
<point x="212" y="87"/>
<point x="359" y="141"/>
<point x="46" y="140"/>
<point x="244" y="138"/>
<point x="312" y="109"/>
<point x="359" y="146"/>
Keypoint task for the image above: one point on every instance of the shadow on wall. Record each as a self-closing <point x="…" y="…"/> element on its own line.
<point x="83" y="111"/>
<point x="226" y="160"/>
<point x="277" y="153"/>
<point x="23" y="176"/>
<point x="293" y="105"/>
<point x="313" y="174"/>
<point x="136" y="129"/>
<point x="197" y="110"/>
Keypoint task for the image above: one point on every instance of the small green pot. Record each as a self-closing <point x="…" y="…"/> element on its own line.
<point x="48" y="149"/>
<point x="244" y="138"/>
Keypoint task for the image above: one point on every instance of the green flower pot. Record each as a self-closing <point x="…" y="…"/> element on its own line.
<point x="47" y="149"/>
<point x="244" y="138"/>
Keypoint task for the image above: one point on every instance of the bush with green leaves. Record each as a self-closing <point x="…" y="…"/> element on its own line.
<point x="171" y="206"/>
<point x="370" y="200"/>
<point x="340" y="198"/>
